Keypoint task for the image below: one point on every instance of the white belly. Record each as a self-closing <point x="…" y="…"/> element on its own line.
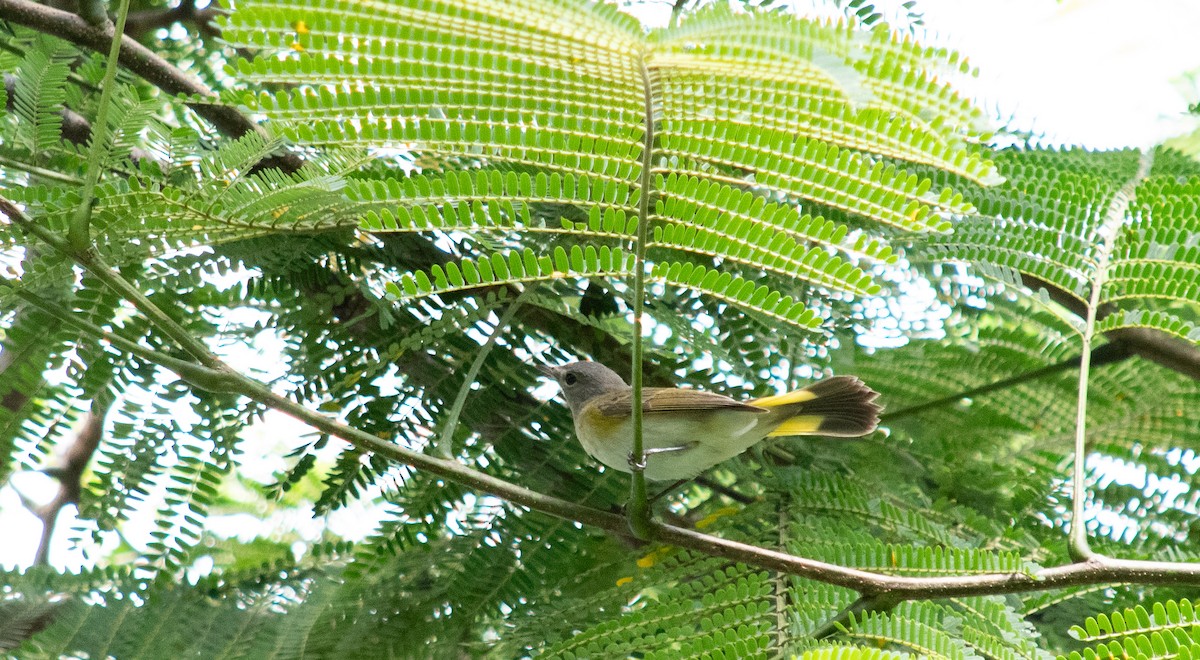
<point x="716" y="441"/>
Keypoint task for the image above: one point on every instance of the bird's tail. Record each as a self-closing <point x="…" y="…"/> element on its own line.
<point x="840" y="406"/>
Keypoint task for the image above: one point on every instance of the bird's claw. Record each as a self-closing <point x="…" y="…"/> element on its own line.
<point x="636" y="465"/>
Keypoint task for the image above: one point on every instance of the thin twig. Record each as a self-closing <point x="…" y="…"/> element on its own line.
<point x="724" y="490"/>
<point x="863" y="605"/>
<point x="1106" y="354"/>
<point x="445" y="443"/>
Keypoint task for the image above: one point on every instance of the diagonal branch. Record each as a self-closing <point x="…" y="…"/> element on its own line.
<point x="1114" y="351"/>
<point x="1161" y="348"/>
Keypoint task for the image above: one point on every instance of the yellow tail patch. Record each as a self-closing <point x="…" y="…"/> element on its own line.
<point x="799" y="396"/>
<point x="798" y="425"/>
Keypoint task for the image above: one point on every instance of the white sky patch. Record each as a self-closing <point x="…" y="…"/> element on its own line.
<point x="1099" y="73"/>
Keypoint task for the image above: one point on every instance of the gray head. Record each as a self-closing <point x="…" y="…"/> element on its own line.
<point x="580" y="381"/>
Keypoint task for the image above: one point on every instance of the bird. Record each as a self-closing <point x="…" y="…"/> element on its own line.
<point x="687" y="431"/>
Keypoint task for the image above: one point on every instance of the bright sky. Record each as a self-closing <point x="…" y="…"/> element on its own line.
<point x="1102" y="73"/>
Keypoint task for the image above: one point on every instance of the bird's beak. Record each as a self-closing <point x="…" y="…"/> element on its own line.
<point x="551" y="372"/>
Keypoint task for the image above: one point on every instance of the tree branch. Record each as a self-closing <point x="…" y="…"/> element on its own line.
<point x="1157" y="346"/>
<point x="147" y="20"/>
<point x="69" y="473"/>
<point x="1161" y="348"/>
<point x="145" y="63"/>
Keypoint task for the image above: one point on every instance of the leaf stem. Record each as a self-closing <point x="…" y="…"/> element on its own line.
<point x="1077" y="544"/>
<point x="639" y="507"/>
<point x="79" y="233"/>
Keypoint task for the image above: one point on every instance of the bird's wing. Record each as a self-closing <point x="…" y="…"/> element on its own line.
<point x="667" y="399"/>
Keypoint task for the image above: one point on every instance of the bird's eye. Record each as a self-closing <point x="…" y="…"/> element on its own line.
<point x="570" y="379"/>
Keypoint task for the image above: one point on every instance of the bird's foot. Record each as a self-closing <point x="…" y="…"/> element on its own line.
<point x="640" y="466"/>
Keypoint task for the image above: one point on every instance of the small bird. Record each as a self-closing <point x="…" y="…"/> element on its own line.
<point x="685" y="431"/>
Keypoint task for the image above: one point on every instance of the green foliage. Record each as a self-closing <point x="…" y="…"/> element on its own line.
<point x="40" y="92"/>
<point x="813" y="191"/>
<point x="1167" y="630"/>
<point x="32" y="408"/>
<point x="1050" y="208"/>
<point x="850" y="653"/>
<point x="524" y="267"/>
<point x="562" y="121"/>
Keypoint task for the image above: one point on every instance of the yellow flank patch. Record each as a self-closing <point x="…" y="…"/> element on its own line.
<point x="798" y="425"/>
<point x="799" y="396"/>
<point x="599" y="421"/>
<point x="624" y="581"/>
